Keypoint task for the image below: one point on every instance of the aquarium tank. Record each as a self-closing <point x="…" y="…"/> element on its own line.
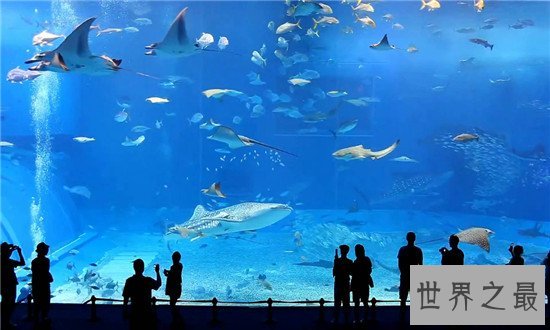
<point x="255" y="137"/>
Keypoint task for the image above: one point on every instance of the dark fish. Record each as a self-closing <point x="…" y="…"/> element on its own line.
<point x="203" y="246"/>
<point x="535" y="231"/>
<point x="95" y="287"/>
<point x="29" y="275"/>
<point x="482" y="42"/>
<point x="527" y="22"/>
<point x="517" y="26"/>
<point x="321" y="263"/>
<point x="93" y="264"/>
<point x="466" y="30"/>
<point x="394" y="288"/>
<point x="262" y="277"/>
<point x="27" y="268"/>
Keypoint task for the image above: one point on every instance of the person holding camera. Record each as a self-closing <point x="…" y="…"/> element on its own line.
<point x="454" y="256"/>
<point x="137" y="290"/>
<point x="8" y="281"/>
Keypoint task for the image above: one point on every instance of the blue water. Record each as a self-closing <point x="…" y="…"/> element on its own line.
<point x="450" y="86"/>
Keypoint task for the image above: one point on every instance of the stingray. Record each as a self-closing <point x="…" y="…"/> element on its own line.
<point x="475" y="236"/>
<point x="233" y="140"/>
<point x="321" y="263"/>
<point x="176" y="43"/>
<point x="214" y="190"/>
<point x="73" y="54"/>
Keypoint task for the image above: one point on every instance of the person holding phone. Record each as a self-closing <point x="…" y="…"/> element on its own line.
<point x="137" y="291"/>
<point x="8" y="281"/>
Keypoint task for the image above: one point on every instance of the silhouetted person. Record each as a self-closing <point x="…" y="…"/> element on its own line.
<point x="454" y="256"/>
<point x="546" y="263"/>
<point x="137" y="290"/>
<point x="516" y="251"/>
<point x="341" y="272"/>
<point x="41" y="279"/>
<point x="408" y="255"/>
<point x="173" y="283"/>
<point x="361" y="281"/>
<point x="8" y="281"/>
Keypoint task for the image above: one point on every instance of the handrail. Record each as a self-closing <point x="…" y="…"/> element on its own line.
<point x="215" y="302"/>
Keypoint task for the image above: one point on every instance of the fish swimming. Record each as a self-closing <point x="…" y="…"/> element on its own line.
<point x="432" y="5"/>
<point x="79" y="190"/>
<point x="209" y="125"/>
<point x="482" y="42"/>
<point x="411" y="186"/>
<point x="228" y="136"/>
<point x="325" y="20"/>
<point x="73" y="55"/>
<point x="476" y="236"/>
<point x="83" y="139"/>
<point x="479" y="5"/>
<point x="129" y="143"/>
<point x="383" y="44"/>
<point x="18" y="75"/>
<point x="404" y="159"/>
<point x="345" y="127"/>
<point x="287" y="27"/>
<point x="45" y="38"/>
<point x="359" y="152"/>
<point x="236" y="218"/>
<point x="176" y="43"/>
<point x="365" y="21"/>
<point x="465" y="137"/>
<point x="304" y="9"/>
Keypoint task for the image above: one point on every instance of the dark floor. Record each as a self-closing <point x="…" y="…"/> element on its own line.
<point x="72" y="316"/>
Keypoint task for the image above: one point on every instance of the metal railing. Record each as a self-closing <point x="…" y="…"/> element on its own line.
<point x="215" y="305"/>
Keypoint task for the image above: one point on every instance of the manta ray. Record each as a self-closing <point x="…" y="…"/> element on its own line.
<point x="176" y="43"/>
<point x="233" y="140"/>
<point x="383" y="44"/>
<point x="73" y="55"/>
<point x="236" y="218"/>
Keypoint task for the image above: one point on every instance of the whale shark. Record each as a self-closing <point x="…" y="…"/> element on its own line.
<point x="236" y="218"/>
<point x="176" y="43"/>
<point x="73" y="55"/>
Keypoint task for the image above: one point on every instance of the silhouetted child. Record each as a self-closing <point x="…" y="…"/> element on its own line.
<point x="341" y="272"/>
<point x="408" y="255"/>
<point x="41" y="279"/>
<point x="516" y="252"/>
<point x="454" y="256"/>
<point x="137" y="290"/>
<point x="361" y="281"/>
<point x="173" y="283"/>
<point x="8" y="281"/>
